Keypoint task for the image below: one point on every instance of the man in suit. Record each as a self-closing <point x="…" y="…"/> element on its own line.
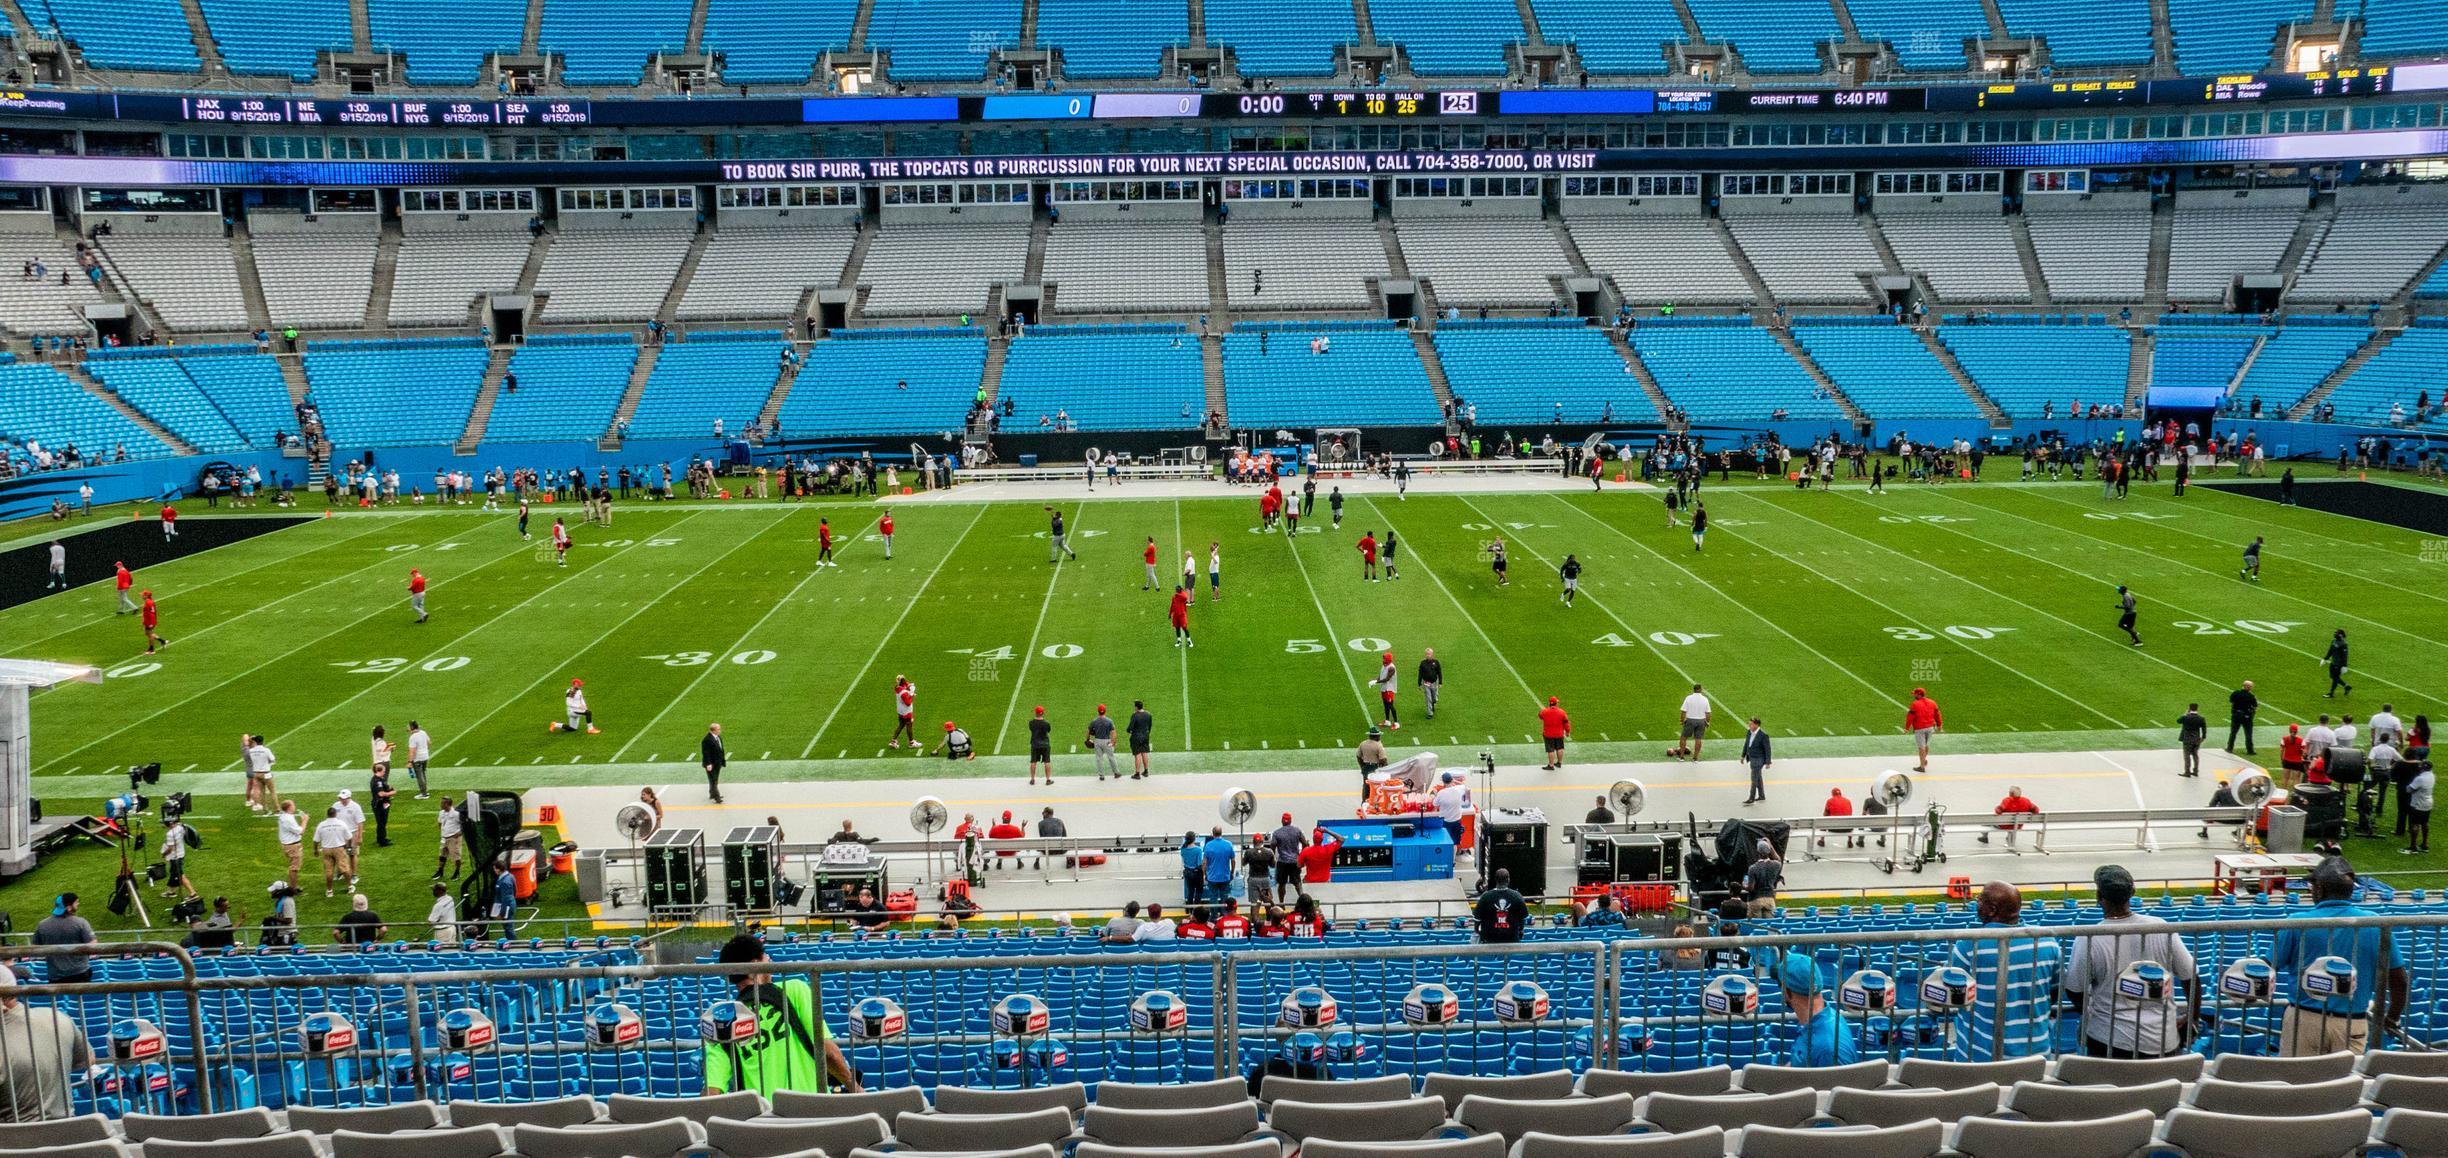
<point x="1755" y="754"/>
<point x="710" y="753"/>
<point x="2242" y="706"/>
<point x="2191" y="731"/>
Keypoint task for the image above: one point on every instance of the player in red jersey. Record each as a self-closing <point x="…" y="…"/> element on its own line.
<point x="561" y="543"/>
<point x="905" y="709"/>
<point x="885" y="527"/>
<point x="416" y="593"/>
<point x="824" y="543"/>
<point x="125" y="580"/>
<point x="169" y="522"/>
<point x="1368" y="556"/>
<point x="1181" y="618"/>
<point x="1554" y="725"/>
<point x="151" y="617"/>
<point x="1149" y="554"/>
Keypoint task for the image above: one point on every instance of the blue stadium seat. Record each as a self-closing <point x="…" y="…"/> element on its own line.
<point x="215" y="398"/>
<point x="762" y="42"/>
<point x="2228" y="36"/>
<point x="1613" y="38"/>
<point x="261" y="42"/>
<point x="2407" y="367"/>
<point x="714" y="373"/>
<point x="38" y="404"/>
<point x="2201" y="356"/>
<point x="1281" y="38"/>
<point x="1772" y="35"/>
<point x="1106" y="378"/>
<point x="150" y="35"/>
<point x="448" y="51"/>
<point x="929" y="43"/>
<point x="1450" y="37"/>
<point x="1883" y="368"/>
<point x="568" y="386"/>
<point x="2084" y="32"/>
<point x="395" y="392"/>
<point x="1925" y="35"/>
<point x="2296" y="359"/>
<point x="2434" y="286"/>
<point x="2021" y="365"/>
<point x="2400" y="27"/>
<point x="885" y="382"/>
<point x="1112" y="39"/>
<point x="1578" y="373"/>
<point x="606" y="42"/>
<point x="1726" y="368"/>
<point x="1370" y="375"/>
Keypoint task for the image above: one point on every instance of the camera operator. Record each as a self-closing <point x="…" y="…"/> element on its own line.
<point x="214" y="932"/>
<point x="280" y="925"/>
<point x="175" y="838"/>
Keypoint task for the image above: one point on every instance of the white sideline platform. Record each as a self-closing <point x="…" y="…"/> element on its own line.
<point x="1176" y="801"/>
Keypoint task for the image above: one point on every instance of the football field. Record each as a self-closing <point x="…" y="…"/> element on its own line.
<point x="1818" y="612"/>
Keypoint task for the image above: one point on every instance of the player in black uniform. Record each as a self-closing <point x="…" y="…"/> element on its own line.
<point x="1571" y="574"/>
<point x="2336" y="659"/>
<point x="2252" y="561"/>
<point x="1041" y="746"/>
<point x="1385" y="551"/>
<point x="1496" y="559"/>
<point x="2126" y="614"/>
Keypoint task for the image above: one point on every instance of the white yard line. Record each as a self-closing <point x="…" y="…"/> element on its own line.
<point x="1079" y="514"/>
<point x="1368" y="718"/>
<point x="812" y="572"/>
<point x="30" y="645"/>
<point x="1184" y="547"/>
<point x="554" y="671"/>
<point x="1467" y="617"/>
<point x="886" y="639"/>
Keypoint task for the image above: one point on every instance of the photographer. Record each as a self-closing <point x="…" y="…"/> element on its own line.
<point x="280" y="925"/>
<point x="443" y="916"/>
<point x="214" y="932"/>
<point x="176" y="836"/>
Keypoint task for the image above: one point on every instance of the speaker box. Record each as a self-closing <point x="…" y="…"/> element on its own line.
<point x="1517" y="844"/>
<point x="2324" y="810"/>
<point x="675" y="869"/>
<point x="2346" y="765"/>
<point x="750" y="858"/>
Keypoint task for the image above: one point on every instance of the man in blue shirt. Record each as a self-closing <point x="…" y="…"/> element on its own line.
<point x="2013" y="1012"/>
<point x="505" y="897"/>
<point x="1822" y="1039"/>
<point x="2318" y="1024"/>
<point x="1220" y="858"/>
<point x="1194" y="867"/>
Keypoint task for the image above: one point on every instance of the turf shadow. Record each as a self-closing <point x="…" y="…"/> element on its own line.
<point x="137" y="542"/>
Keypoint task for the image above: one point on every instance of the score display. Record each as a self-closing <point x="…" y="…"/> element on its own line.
<point x="411" y="114"/>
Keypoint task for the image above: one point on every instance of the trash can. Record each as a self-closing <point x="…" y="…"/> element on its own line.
<point x="1029" y="460"/>
<point x="2286" y="829"/>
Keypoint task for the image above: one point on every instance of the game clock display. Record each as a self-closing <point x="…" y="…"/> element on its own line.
<point x="1331" y="104"/>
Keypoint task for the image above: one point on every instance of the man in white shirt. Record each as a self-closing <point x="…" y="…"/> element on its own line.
<point x="58" y="579"/>
<point x="2386" y="728"/>
<point x="1695" y="716"/>
<point x="2114" y="1024"/>
<point x="420" y="749"/>
<point x="2346" y="733"/>
<point x="574" y="710"/>
<point x="352" y="814"/>
<point x="292" y="838"/>
<point x="46" y="1052"/>
<point x="454" y="849"/>
<point x="259" y="791"/>
<point x="1154" y="927"/>
<point x="443" y="916"/>
<point x="332" y="837"/>
<point x="1452" y="801"/>
<point x="2417" y="811"/>
<point x="2318" y="739"/>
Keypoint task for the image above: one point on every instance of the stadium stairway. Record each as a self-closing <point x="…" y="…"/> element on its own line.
<point x="1725" y="237"/>
<point x="533" y="32"/>
<point x="361" y="24"/>
<point x="1997" y="18"/>
<point x="2309" y="228"/>
<point x="1198" y="24"/>
<point x="1424" y="339"/>
<point x="1844" y="21"/>
<point x="2371" y="346"/>
<point x="771" y="412"/>
<point x="250" y="283"/>
<point x="990" y="379"/>
<point x="2029" y="255"/>
<point x="857" y="259"/>
<point x="1640" y="373"/>
<point x="1531" y="32"/>
<point x="859" y="25"/>
<point x="639" y="372"/>
<point x="1219" y="300"/>
<point x="536" y="251"/>
<point x="1360" y="20"/>
<point x="206" y="49"/>
<point x="1802" y="358"/>
<point x="23" y="32"/>
<point x="696" y="38"/>
<point x="75" y="372"/>
<point x="386" y="274"/>
<point x="1211" y="351"/>
<point x="481" y="414"/>
<point x="1989" y="408"/>
<point x="670" y="309"/>
<point x="2162" y="242"/>
<point x="2142" y="354"/>
<point x="2163" y="36"/>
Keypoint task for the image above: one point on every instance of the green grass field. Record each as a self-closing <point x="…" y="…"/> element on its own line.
<point x="1817" y="611"/>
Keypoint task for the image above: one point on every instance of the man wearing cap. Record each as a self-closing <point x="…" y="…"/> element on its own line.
<point x="1922" y="719"/>
<point x="713" y="758"/>
<point x="1554" y="726"/>
<point x="2013" y="1010"/>
<point x="1385" y="690"/>
<point x="1372" y="753"/>
<point x="1694" y="717"/>
<point x="791" y="1050"/>
<point x="352" y="814"/>
<point x="331" y="837"/>
<point x="1822" y="1040"/>
<point x="1288" y="841"/>
<point x="2318" y="1024"/>
<point x="1452" y="801"/>
<point x="2242" y="706"/>
<point x="1100" y="743"/>
<point x="956" y="746"/>
<point x="65" y="927"/>
<point x="1041" y="746"/>
<point x="46" y="1052"/>
<point x="2116" y="1023"/>
<point x="574" y="709"/>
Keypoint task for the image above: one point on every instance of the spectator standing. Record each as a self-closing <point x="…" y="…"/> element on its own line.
<point x="1217" y="859"/>
<point x="2116" y="1024"/>
<point x="1500" y="912"/>
<point x="1452" y="804"/>
<point x="1142" y="732"/>
<point x="1258" y="864"/>
<point x="2417" y="810"/>
<point x="1288" y="841"/>
<point x="504" y="905"/>
<point x="1762" y="880"/>
<point x="2013" y="981"/>
<point x="2318" y="1024"/>
<point x="420" y="750"/>
<point x="453" y="849"/>
<point x="1755" y="753"/>
<point x="712" y="757"/>
<point x="292" y="839"/>
<point x="443" y="915"/>
<point x="791" y="1049"/>
<point x="2242" y="706"/>
<point x="1693" y="718"/>
<point x="1194" y="867"/>
<point x="65" y="927"/>
<point x="360" y="925"/>
<point x="1101" y="744"/>
<point x="45" y="1053"/>
<point x="2191" y="730"/>
<point x="258" y="759"/>
<point x="1923" y="720"/>
<point x="1821" y="1040"/>
<point x="331" y="837"/>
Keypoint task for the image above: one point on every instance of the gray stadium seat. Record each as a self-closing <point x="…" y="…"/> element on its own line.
<point x="670" y="1136"/>
<point x="2202" y="1134"/>
<point x="2381" y="1062"/>
<point x="366" y="1119"/>
<point x="1926" y="1074"/>
<point x="1452" y="1088"/>
<point x="2277" y="1099"/>
<point x="1512" y="1119"/>
<point x="1712" y="1080"/>
<point x="556" y="1113"/>
<point x="463" y="1142"/>
<point x="60" y="1132"/>
<point x="2414" y="1131"/>
<point x="1205" y="1126"/>
<point x="1680" y="1113"/>
<point x="91" y="1148"/>
<point x="1391" y="1121"/>
<point x="249" y="1123"/>
<point x="1126" y="1096"/>
<point x="2096" y="1138"/>
<point x="1915" y="1140"/>
<point x="773" y="1137"/>
<point x="1759" y="1078"/>
<point x="1706" y="1142"/>
<point x="2407" y="1092"/>
<point x="2043" y="1102"/>
<point x="2077" y="1070"/>
<point x="886" y="1104"/>
<point x="2317" y="1068"/>
<point x="1275" y="1088"/>
<point x="1049" y="1126"/>
<point x="1255" y="1148"/>
<point x="1071" y="1096"/>
<point x="1855" y="1107"/>
<point x="262" y="1146"/>
<point x="635" y="1111"/>
<point x="1486" y="1146"/>
<point x="1022" y="1152"/>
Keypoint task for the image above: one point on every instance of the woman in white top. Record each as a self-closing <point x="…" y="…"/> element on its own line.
<point x="444" y="916"/>
<point x="381" y="748"/>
